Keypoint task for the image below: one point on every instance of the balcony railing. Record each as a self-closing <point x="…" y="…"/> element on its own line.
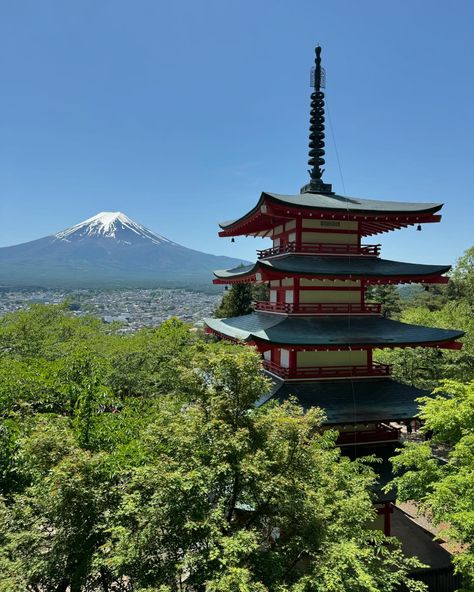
<point x="382" y="433"/>
<point x="318" y="307"/>
<point x="322" y="249"/>
<point x="309" y="372"/>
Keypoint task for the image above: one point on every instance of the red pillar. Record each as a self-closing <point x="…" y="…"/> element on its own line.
<point x="386" y="511"/>
<point x="387" y="518"/>
<point x="292" y="361"/>
<point x="296" y="294"/>
<point x="298" y="232"/>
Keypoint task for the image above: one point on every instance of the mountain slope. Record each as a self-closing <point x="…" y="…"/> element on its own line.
<point x="107" y="250"/>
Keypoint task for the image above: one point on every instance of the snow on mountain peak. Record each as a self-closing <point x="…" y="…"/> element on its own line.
<point x="114" y="225"/>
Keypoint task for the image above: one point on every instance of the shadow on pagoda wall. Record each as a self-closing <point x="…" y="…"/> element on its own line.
<point x="415" y="540"/>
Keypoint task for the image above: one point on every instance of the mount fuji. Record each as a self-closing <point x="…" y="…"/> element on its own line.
<point x="107" y="250"/>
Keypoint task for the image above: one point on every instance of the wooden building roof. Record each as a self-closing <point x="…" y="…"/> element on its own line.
<point x="351" y="401"/>
<point x="375" y="216"/>
<point x="331" y="332"/>
<point x="334" y="267"/>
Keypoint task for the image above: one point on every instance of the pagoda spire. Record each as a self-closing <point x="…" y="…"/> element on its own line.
<point x="316" y="130"/>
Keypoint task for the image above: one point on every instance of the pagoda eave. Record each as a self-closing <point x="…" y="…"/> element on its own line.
<point x="359" y="401"/>
<point x="267" y="214"/>
<point x="263" y="345"/>
<point x="370" y="270"/>
<point x="368" y="280"/>
<point x="331" y="332"/>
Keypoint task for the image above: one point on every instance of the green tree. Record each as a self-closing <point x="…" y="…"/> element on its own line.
<point x="238" y="300"/>
<point x="235" y="302"/>
<point x="141" y="462"/>
<point x="388" y="296"/>
<point x="144" y="364"/>
<point x="462" y="277"/>
<point x="45" y="331"/>
<point x="445" y="490"/>
<point x="234" y="498"/>
<point x="433" y="296"/>
<point x="425" y="367"/>
<point x="55" y="527"/>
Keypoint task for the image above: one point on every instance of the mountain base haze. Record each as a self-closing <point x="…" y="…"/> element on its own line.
<point x="107" y="250"/>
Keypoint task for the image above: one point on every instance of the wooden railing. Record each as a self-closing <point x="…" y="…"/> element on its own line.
<point x="318" y="307"/>
<point x="382" y="433"/>
<point x="322" y="249"/>
<point x="327" y="371"/>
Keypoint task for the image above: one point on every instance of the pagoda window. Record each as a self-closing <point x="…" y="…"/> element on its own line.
<point x="273" y="296"/>
<point x="289" y="296"/>
<point x="306" y="359"/>
<point x="267" y="355"/>
<point x="284" y="358"/>
<point x="287" y="282"/>
<point x="290" y="225"/>
<point x="276" y="242"/>
<point x="274" y="283"/>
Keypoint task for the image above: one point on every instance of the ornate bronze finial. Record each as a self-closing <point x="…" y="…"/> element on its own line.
<point x="316" y="130"/>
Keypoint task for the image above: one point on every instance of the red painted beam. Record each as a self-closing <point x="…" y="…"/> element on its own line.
<point x="273" y="274"/>
<point x="262" y="220"/>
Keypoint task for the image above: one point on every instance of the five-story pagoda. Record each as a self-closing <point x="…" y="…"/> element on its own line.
<point x="317" y="331"/>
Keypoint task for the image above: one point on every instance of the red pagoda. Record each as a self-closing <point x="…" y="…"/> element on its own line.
<point x="317" y="332"/>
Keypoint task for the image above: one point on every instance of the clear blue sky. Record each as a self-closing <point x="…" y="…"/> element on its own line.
<point x="180" y="113"/>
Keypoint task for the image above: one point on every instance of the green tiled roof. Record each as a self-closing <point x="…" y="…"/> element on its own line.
<point x="341" y="330"/>
<point x="318" y="265"/>
<point x="352" y="401"/>
<point x="354" y="204"/>
<point x="340" y="202"/>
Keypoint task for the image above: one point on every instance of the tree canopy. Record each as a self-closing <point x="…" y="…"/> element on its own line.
<point x="141" y="463"/>
<point x="438" y="473"/>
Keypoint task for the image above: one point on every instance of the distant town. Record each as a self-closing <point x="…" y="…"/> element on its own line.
<point x="134" y="308"/>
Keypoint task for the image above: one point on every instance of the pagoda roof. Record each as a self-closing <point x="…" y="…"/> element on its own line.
<point x="340" y="267"/>
<point x="351" y="401"/>
<point x="272" y="208"/>
<point x="330" y="332"/>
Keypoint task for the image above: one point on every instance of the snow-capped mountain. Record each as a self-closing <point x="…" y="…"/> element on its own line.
<point x="108" y="249"/>
<point x="111" y="225"/>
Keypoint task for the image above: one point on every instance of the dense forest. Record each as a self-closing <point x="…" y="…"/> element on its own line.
<point x="141" y="462"/>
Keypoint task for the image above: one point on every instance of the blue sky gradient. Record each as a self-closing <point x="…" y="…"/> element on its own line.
<point x="180" y="113"/>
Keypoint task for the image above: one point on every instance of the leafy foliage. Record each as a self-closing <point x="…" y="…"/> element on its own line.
<point x="445" y="490"/>
<point x="449" y="307"/>
<point x="388" y="296"/>
<point x="140" y="462"/>
<point x="238" y="300"/>
<point x="463" y="277"/>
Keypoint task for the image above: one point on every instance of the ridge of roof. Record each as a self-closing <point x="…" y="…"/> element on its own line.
<point x="340" y="202"/>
